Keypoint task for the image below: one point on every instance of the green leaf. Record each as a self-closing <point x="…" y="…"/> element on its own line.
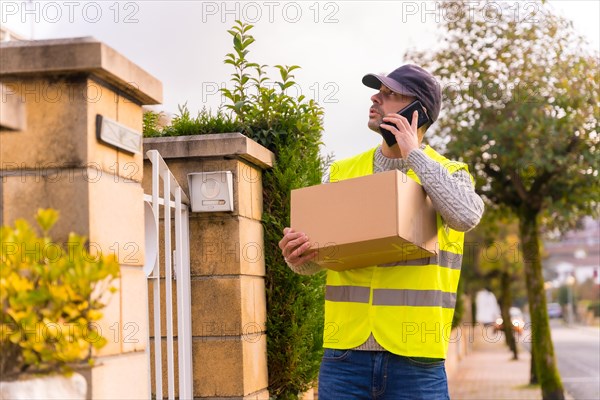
<point x="237" y="43"/>
<point x="238" y="105"/>
<point x="46" y="218"/>
<point x="246" y="27"/>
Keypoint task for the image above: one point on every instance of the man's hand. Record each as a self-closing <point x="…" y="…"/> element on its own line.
<point x="295" y="247"/>
<point x="405" y="133"/>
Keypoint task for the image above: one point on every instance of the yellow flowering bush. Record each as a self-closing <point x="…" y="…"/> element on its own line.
<point x="51" y="296"/>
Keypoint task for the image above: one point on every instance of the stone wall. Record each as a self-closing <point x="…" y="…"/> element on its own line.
<point x="51" y="156"/>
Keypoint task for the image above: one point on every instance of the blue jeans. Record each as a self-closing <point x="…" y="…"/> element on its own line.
<point x="353" y="374"/>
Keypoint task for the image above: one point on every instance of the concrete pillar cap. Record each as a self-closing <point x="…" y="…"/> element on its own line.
<point x="225" y="145"/>
<point x="79" y="55"/>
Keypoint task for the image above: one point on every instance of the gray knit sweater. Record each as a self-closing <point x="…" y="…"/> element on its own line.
<point x="452" y="195"/>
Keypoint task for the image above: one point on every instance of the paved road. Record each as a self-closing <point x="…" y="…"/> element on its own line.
<point x="577" y="352"/>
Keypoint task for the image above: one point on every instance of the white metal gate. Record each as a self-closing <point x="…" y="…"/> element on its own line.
<point x="176" y="267"/>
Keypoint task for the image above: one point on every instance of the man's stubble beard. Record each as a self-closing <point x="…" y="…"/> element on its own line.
<point x="373" y="124"/>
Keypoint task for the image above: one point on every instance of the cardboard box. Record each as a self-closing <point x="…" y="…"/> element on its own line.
<point x="371" y="220"/>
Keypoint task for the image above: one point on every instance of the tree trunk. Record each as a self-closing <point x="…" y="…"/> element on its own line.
<point x="533" y="379"/>
<point x="545" y="362"/>
<point x="505" y="304"/>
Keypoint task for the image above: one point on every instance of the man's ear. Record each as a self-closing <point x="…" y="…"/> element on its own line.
<point x="421" y="132"/>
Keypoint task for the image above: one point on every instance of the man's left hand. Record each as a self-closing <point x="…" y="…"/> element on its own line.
<point x="405" y="133"/>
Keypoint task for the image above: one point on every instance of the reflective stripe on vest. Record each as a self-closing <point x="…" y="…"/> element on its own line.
<point x="391" y="297"/>
<point x="354" y="294"/>
<point x="408" y="306"/>
<point x="413" y="298"/>
<point x="444" y="259"/>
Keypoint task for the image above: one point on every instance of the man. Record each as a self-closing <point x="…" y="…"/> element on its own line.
<point x="387" y="327"/>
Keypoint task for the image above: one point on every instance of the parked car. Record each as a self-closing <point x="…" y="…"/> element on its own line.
<point x="516" y="319"/>
<point x="554" y="310"/>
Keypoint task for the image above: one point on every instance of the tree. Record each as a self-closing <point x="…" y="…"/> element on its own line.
<point x="494" y="247"/>
<point x="522" y="106"/>
<point x="500" y="259"/>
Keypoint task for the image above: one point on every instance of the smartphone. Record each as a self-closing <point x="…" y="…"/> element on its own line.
<point x="406" y="112"/>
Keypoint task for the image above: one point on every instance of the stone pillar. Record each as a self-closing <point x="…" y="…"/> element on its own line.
<point x="227" y="265"/>
<point x="55" y="159"/>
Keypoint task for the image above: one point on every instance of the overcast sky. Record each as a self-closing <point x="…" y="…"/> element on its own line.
<point x="183" y="44"/>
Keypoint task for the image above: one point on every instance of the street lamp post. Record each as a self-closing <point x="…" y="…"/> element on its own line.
<point x="548" y="285"/>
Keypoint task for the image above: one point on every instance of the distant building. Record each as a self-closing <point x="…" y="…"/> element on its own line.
<point x="6" y="35"/>
<point x="488" y="309"/>
<point x="576" y="254"/>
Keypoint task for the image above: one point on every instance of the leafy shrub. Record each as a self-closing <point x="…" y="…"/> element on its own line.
<point x="291" y="128"/>
<point x="150" y="121"/>
<point x="50" y="298"/>
<point x="183" y="124"/>
<point x="595" y="308"/>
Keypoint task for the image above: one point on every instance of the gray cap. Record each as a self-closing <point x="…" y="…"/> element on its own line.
<point x="411" y="80"/>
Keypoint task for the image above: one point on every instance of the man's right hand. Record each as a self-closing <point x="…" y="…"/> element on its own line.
<point x="295" y="247"/>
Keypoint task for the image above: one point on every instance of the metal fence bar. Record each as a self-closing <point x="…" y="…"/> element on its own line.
<point x="161" y="201"/>
<point x="183" y="299"/>
<point x="179" y="263"/>
<point x="186" y="359"/>
<point x="153" y="156"/>
<point x="168" y="286"/>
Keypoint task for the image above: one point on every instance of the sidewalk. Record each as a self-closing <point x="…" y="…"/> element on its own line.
<point x="488" y="372"/>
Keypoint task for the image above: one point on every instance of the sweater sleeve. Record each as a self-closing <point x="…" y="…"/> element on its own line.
<point x="308" y="268"/>
<point x="452" y="195"/>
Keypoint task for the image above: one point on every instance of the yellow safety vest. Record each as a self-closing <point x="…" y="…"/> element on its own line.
<point x="407" y="307"/>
